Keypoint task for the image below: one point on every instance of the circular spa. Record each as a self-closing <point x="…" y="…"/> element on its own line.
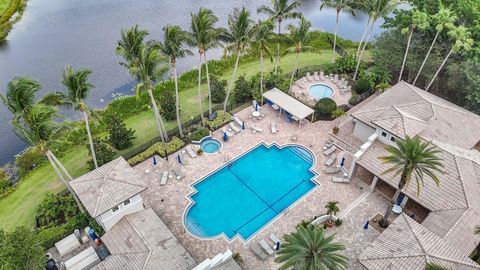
<point x="210" y="145"/>
<point x="320" y="91"/>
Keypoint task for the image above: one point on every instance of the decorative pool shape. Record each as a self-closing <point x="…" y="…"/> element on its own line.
<point x="210" y="145"/>
<point x="244" y="195"/>
<point x="320" y="91"/>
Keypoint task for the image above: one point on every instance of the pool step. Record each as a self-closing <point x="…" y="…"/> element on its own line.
<point x="302" y="153"/>
<point x="195" y="227"/>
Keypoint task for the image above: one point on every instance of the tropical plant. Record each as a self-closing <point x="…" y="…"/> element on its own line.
<point x="444" y="19"/>
<point x="362" y="85"/>
<point x="242" y="91"/>
<point x="19" y="249"/>
<point x="309" y="248"/>
<point x="300" y="36"/>
<point x="172" y="47"/>
<point x="347" y="6"/>
<point x="218" y="90"/>
<point x="280" y="10"/>
<point x="332" y="209"/>
<point x="324" y="107"/>
<point x="145" y="64"/>
<point x="462" y="41"/>
<point x="166" y="101"/>
<point x="238" y="36"/>
<point x="411" y="158"/>
<point x="105" y="154"/>
<point x="204" y="36"/>
<point x="263" y="35"/>
<point x="381" y="87"/>
<point x="119" y="135"/>
<point x="418" y="20"/>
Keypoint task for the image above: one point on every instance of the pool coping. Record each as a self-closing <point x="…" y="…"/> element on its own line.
<point x="266" y="225"/>
<point x="199" y="143"/>
<point x="333" y="90"/>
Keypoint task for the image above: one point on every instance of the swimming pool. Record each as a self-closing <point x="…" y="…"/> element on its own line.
<point x="320" y="91"/>
<point x="247" y="193"/>
<point x="210" y="145"/>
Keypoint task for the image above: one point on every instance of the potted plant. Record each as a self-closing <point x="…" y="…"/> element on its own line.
<point x="332" y="210"/>
<point x="199" y="151"/>
<point x="337" y="114"/>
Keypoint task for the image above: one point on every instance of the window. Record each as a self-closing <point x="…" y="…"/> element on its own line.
<point x="392" y="139"/>
<point x="384" y="134"/>
<point x="115" y="209"/>
<point x="127" y="202"/>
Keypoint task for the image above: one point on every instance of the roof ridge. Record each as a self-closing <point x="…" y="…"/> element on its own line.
<point x="119" y="181"/>
<point x="408" y="115"/>
<point x="392" y="256"/>
<point x="143" y="240"/>
<point x="455" y="261"/>
<point x="368" y="111"/>
<point x="419" y="102"/>
<point x="414" y="90"/>
<point x="461" y="181"/>
<point x="413" y="232"/>
<point x="100" y="191"/>
<point x="456" y="223"/>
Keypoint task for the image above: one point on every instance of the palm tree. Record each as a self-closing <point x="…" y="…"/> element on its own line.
<point x="309" y="248"/>
<point x="262" y="37"/>
<point x="238" y="36"/>
<point x="347" y="6"/>
<point x="172" y="47"/>
<point x="19" y="96"/>
<point x="300" y="35"/>
<point x="411" y="158"/>
<point x="145" y="64"/>
<point x="376" y="9"/>
<point x="280" y="11"/>
<point x="419" y="20"/>
<point x="431" y="266"/>
<point x="78" y="88"/>
<point x="444" y="19"/>
<point x="477" y="232"/>
<point x="204" y="36"/>
<point x="462" y="41"/>
<point x="332" y="209"/>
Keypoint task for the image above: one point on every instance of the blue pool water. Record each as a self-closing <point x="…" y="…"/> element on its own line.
<point x="320" y="91"/>
<point x="243" y="196"/>
<point x="210" y="145"/>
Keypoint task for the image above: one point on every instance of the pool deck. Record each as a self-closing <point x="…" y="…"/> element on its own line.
<point x="171" y="201"/>
<point x="304" y="96"/>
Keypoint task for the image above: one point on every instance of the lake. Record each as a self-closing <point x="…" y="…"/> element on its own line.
<point x="83" y="33"/>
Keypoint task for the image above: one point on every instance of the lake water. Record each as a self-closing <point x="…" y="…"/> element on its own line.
<point x="83" y="33"/>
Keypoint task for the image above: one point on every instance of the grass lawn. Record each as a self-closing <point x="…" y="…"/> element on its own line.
<point x="18" y="208"/>
<point x="3" y="5"/>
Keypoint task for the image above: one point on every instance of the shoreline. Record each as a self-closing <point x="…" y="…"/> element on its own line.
<point x="12" y="14"/>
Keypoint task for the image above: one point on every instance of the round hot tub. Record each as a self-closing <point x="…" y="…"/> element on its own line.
<point x="210" y="145"/>
<point x="320" y="91"/>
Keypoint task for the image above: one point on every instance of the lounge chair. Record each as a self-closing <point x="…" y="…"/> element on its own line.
<point x="340" y="179"/>
<point x="266" y="247"/>
<point x="335" y="79"/>
<point x="235" y="128"/>
<point x="328" y="144"/>
<point x="273" y="127"/>
<point x="346" y="90"/>
<point x="229" y="134"/>
<point x="256" y="129"/>
<point x="322" y="76"/>
<point x="315" y="76"/>
<point x="178" y="172"/>
<point x="331" y="170"/>
<point x="330" y="150"/>
<point x="330" y="160"/>
<point x="256" y="249"/>
<point x="190" y="151"/>
<point x="309" y="77"/>
<point x="164" y="179"/>
<point x="275" y="239"/>
<point x="238" y="120"/>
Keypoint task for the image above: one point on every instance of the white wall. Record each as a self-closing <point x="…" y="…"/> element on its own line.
<point x="109" y="218"/>
<point x="362" y="131"/>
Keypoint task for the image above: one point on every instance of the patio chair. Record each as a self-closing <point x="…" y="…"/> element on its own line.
<point x="229" y="134"/>
<point x="266" y="247"/>
<point x="235" y="128"/>
<point x="254" y="103"/>
<point x="309" y="77"/>
<point x="275" y="239"/>
<point x="340" y="179"/>
<point x="335" y="79"/>
<point x="330" y="161"/>
<point x="315" y="76"/>
<point x="330" y="150"/>
<point x="346" y="89"/>
<point x="190" y="151"/>
<point x="328" y="144"/>
<point x="256" y="129"/>
<point x="322" y="76"/>
<point x="164" y="178"/>
<point x="256" y="249"/>
<point x="238" y="120"/>
<point x="331" y="170"/>
<point x="273" y="127"/>
<point x="178" y="172"/>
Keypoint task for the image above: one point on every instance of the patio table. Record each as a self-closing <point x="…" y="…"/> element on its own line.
<point x="397" y="209"/>
<point x="255" y="113"/>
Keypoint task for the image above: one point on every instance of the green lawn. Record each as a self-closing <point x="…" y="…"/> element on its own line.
<point x="18" y="208"/>
<point x="3" y="5"/>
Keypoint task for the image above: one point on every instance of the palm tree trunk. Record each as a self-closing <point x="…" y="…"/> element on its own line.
<point x="230" y="85"/>
<point x="361" y="52"/>
<point x="363" y="37"/>
<point x="200" y="107"/>
<point x="405" y="55"/>
<point x="177" y="102"/>
<point x="293" y="72"/>
<point x="90" y="140"/>
<point x="335" y="38"/>
<point x="208" y="84"/>
<point x="277" y="59"/>
<point x="157" y="116"/>
<point x="384" y="221"/>
<point x="54" y="161"/>
<point x="261" y="75"/>
<point x="439" y="69"/>
<point x="426" y="57"/>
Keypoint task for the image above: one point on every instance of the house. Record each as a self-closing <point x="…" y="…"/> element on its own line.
<point x="451" y="210"/>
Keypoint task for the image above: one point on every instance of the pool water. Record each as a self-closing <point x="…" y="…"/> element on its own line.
<point x="243" y="196"/>
<point x="320" y="91"/>
<point x="210" y="145"/>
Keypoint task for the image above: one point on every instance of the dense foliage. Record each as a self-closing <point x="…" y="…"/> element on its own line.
<point x="362" y="85"/>
<point x="103" y="152"/>
<point x="119" y="136"/>
<point x="219" y="120"/>
<point x="28" y="159"/>
<point x="198" y="134"/>
<point x="158" y="149"/>
<point x="167" y="104"/>
<point x="324" y="107"/>
<point x="218" y="87"/>
<point x="242" y="91"/>
<point x="20" y="250"/>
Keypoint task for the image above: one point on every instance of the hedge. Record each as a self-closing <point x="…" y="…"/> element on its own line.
<point x="172" y="146"/>
<point x="219" y="121"/>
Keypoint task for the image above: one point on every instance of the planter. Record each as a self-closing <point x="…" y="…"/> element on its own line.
<point x="335" y="130"/>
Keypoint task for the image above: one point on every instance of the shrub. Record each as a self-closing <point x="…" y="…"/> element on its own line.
<point x="119" y="135"/>
<point x="126" y="106"/>
<point x="362" y="85"/>
<point x="167" y="104"/>
<point x="28" y="159"/>
<point x="56" y="209"/>
<point x="242" y="91"/>
<point x="217" y="88"/>
<point x="324" y="107"/>
<point x="20" y="250"/>
<point x="218" y="121"/>
<point x="5" y="185"/>
<point x="198" y="134"/>
<point x="338" y="222"/>
<point x="103" y="152"/>
<point x="354" y="99"/>
<point x="277" y="80"/>
<point x="345" y="64"/>
<point x="172" y="146"/>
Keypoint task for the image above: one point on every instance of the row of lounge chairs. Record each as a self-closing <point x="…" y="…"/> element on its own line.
<point x="262" y="249"/>
<point x="166" y="174"/>
<point x="341" y="83"/>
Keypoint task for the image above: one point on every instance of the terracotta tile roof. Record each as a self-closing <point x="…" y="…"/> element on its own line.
<point x="107" y="186"/>
<point x="406" y="244"/>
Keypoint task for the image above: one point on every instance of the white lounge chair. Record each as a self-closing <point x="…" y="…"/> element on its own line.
<point x="256" y="129"/>
<point x="229" y="134"/>
<point x="309" y="77"/>
<point x="328" y="144"/>
<point x="331" y="170"/>
<point x="266" y="247"/>
<point x="238" y="120"/>
<point x="275" y="239"/>
<point x="346" y="90"/>
<point x="322" y="76"/>
<point x="315" y="76"/>
<point x="190" y="151"/>
<point x="164" y="179"/>
<point x="330" y="160"/>
<point x="178" y="172"/>
<point x="273" y="127"/>
<point x="260" y="253"/>
<point x="330" y="150"/>
<point x="235" y="128"/>
<point x="340" y="179"/>
<point x="335" y="79"/>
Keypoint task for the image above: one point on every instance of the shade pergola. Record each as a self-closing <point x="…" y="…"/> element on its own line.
<point x="289" y="104"/>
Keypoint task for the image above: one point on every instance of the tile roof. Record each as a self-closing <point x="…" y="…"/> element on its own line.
<point x="406" y="244"/>
<point x="107" y="186"/>
<point x="141" y="241"/>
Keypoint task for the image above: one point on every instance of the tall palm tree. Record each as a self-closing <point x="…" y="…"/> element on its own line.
<point x="145" y="65"/>
<point x="238" y="36"/>
<point x="444" y="19"/>
<point x="204" y="36"/>
<point x="20" y="96"/>
<point x="411" y="158"/>
<point x="418" y="20"/>
<point x="78" y="88"/>
<point x="462" y="42"/>
<point x="172" y="47"/>
<point x="309" y="248"/>
<point x="347" y="6"/>
<point x="300" y="35"/>
<point x="376" y="9"/>
<point x="281" y="10"/>
<point x="262" y="37"/>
